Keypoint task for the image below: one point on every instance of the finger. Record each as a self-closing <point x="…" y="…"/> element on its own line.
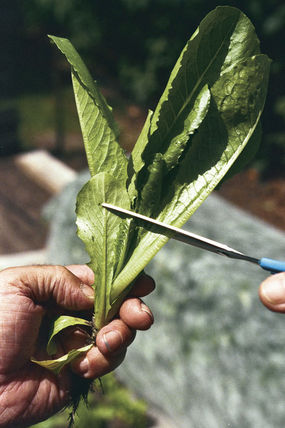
<point x="94" y="364"/>
<point x="114" y="337"/>
<point x="136" y="314"/>
<point x="82" y="272"/>
<point x="51" y="283"/>
<point x="272" y="292"/>
<point x="111" y="345"/>
<point x="72" y="338"/>
<point x="111" y="340"/>
<point x="143" y="286"/>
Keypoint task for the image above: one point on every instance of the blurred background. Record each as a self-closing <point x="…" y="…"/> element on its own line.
<point x="130" y="47"/>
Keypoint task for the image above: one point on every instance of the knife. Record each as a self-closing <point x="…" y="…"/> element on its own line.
<point x="274" y="266"/>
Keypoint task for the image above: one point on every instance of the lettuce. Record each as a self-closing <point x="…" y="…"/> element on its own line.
<point x="208" y="113"/>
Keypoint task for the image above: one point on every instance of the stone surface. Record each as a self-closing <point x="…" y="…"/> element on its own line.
<point x="50" y="173"/>
<point x="24" y="258"/>
<point x="215" y="357"/>
<point x="21" y="201"/>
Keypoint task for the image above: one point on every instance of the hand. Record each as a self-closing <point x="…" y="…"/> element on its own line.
<point x="272" y="292"/>
<point x="28" y="392"/>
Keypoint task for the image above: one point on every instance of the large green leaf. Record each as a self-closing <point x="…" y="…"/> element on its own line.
<point x="237" y="81"/>
<point x="162" y="164"/>
<point x="98" y="127"/>
<point x="224" y="37"/>
<point x="104" y="155"/>
<point x="207" y="114"/>
<point x="104" y="234"/>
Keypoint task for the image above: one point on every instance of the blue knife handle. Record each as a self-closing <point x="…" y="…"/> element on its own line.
<point x="273" y="266"/>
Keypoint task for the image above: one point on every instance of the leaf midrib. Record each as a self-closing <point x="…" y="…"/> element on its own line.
<point x="105" y="258"/>
<point x="189" y="98"/>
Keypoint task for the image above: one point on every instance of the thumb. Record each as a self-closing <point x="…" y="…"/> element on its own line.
<point x="272" y="292"/>
<point x="51" y="283"/>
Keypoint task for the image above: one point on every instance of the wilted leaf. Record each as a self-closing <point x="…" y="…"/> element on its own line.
<point x="60" y="324"/>
<point x="57" y="365"/>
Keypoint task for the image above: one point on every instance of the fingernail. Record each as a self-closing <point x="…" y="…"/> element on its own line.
<point x="113" y="340"/>
<point x="87" y="291"/>
<point x="145" y="309"/>
<point x="273" y="290"/>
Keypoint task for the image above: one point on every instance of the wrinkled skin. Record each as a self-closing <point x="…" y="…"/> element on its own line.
<point x="28" y="392"/>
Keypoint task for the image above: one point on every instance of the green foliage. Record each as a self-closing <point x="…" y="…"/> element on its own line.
<point x="114" y="403"/>
<point x="97" y="123"/>
<point x="205" y="117"/>
<point x="179" y="167"/>
<point x="105" y="236"/>
<point x="114" y="33"/>
<point x="207" y="313"/>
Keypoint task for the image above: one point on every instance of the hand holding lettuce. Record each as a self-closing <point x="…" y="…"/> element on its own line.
<point x="206" y="117"/>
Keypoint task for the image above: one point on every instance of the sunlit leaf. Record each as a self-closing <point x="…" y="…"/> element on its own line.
<point x="209" y="111"/>
<point x="104" y="234"/>
<point x="223" y="54"/>
<point x="98" y="126"/>
<point x="57" y="365"/>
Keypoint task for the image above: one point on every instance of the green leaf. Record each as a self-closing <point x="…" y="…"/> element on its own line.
<point x="57" y="364"/>
<point x="204" y="119"/>
<point x="60" y="323"/>
<point x="246" y="155"/>
<point x="104" y="234"/>
<point x="219" y="56"/>
<point x="136" y="163"/>
<point x="96" y="119"/>
<point x="162" y="163"/>
<point x="224" y="38"/>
